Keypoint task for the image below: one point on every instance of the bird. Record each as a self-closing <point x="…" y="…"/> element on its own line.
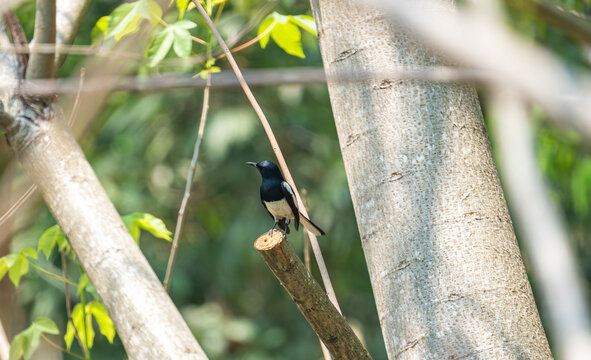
<point x="279" y="199"/>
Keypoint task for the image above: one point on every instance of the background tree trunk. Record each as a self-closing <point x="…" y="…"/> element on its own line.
<point x="446" y="271"/>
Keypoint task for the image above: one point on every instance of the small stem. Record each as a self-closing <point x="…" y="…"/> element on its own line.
<point x="306" y="238"/>
<point x="219" y="12"/>
<point x="60" y="348"/>
<point x="83" y="303"/>
<point x="52" y="275"/>
<point x="250" y="42"/>
<point x="69" y="305"/>
<point x="189" y="183"/>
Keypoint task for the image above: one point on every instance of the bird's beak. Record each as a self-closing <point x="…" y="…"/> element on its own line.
<point x="252" y="164"/>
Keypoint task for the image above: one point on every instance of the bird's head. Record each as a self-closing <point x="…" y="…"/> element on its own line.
<point x="267" y="169"/>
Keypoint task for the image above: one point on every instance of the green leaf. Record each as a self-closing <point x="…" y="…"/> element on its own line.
<point x="100" y="28"/>
<point x="28" y="252"/>
<point x="82" y="282"/>
<point x="103" y="319"/>
<point x="146" y="222"/>
<point x="282" y="19"/>
<point x="93" y="309"/>
<point x="181" y="5"/>
<point x="10" y="259"/>
<point x="581" y="187"/>
<point x="78" y="316"/>
<point x="150" y="10"/>
<point x="160" y="46"/>
<point x="3" y="268"/>
<point x="50" y="237"/>
<point x="305" y="22"/>
<point x="125" y="18"/>
<point x="18" y="345"/>
<point x="155" y="226"/>
<point x="46" y="325"/>
<point x="267" y="22"/>
<point x="182" y="42"/>
<point x="185" y="24"/>
<point x="289" y="38"/>
<point x="26" y="342"/>
<point x="18" y="269"/>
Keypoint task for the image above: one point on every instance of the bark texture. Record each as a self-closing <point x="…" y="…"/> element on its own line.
<point x="330" y="326"/>
<point x="447" y="274"/>
<point x="146" y="320"/>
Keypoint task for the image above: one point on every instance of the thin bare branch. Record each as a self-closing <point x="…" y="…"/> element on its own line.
<point x="76" y="105"/>
<point x="545" y="236"/>
<point x="60" y="348"/>
<point x="276" y="150"/>
<point x="189" y="183"/>
<point x="19" y="39"/>
<point x="69" y="17"/>
<point x="12" y="210"/>
<point x="42" y="66"/>
<point x="250" y="42"/>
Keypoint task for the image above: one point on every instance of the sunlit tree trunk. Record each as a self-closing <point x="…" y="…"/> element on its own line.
<point x="146" y="320"/>
<point x="446" y="271"/>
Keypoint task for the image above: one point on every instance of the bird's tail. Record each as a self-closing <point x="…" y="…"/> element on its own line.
<point x="308" y="224"/>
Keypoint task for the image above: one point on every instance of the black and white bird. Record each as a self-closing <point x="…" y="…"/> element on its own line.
<point x="280" y="201"/>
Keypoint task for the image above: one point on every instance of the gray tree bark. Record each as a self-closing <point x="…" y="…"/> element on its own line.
<point x="446" y="271"/>
<point x="147" y="322"/>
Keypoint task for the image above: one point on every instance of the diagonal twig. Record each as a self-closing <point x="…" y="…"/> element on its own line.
<point x="315" y="247"/>
<point x="181" y="213"/>
<point x="19" y="39"/>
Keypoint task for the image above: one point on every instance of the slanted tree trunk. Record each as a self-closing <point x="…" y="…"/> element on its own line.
<point x="146" y="320"/>
<point x="446" y="271"/>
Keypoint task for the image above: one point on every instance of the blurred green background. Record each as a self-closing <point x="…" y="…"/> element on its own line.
<point x="141" y="145"/>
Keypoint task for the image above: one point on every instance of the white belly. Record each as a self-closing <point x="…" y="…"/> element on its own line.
<point x="280" y="209"/>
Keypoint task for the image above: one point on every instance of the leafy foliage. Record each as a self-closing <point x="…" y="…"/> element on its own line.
<point x="82" y="319"/>
<point x="26" y="342"/>
<point x="174" y="36"/>
<point x="50" y="238"/>
<point x="125" y="19"/>
<point x="285" y="31"/>
<point x="136" y="221"/>
<point x="17" y="265"/>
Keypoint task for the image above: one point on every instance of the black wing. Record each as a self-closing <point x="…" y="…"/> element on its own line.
<point x="291" y="200"/>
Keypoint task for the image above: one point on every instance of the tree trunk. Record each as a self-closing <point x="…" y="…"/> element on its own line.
<point x="446" y="271"/>
<point x="147" y="322"/>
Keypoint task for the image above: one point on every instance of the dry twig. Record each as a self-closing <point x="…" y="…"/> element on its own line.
<point x="189" y="183"/>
